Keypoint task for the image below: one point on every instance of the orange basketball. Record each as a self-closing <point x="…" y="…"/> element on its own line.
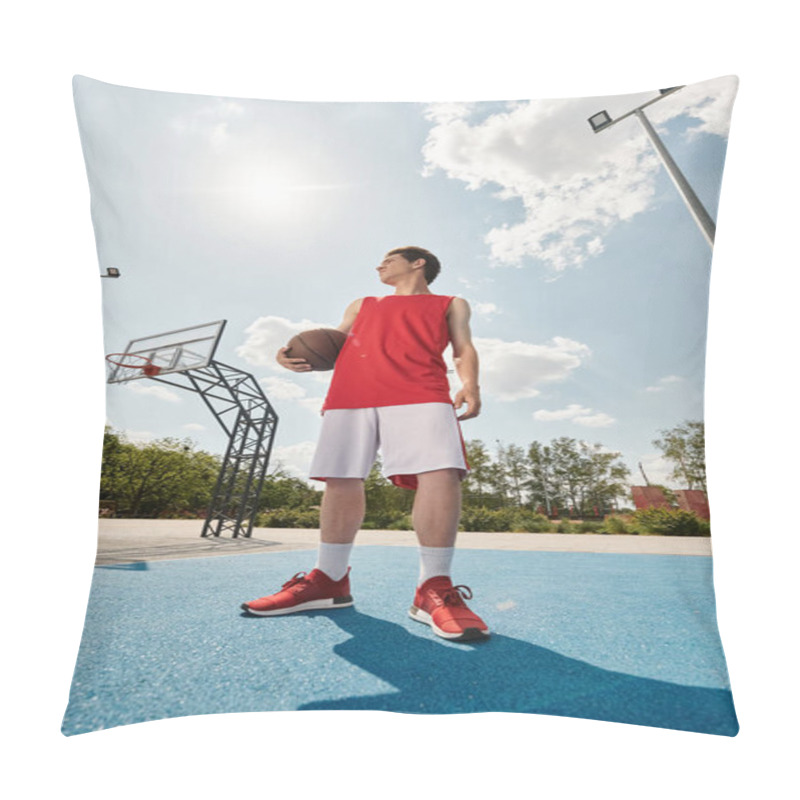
<point x="319" y="347"/>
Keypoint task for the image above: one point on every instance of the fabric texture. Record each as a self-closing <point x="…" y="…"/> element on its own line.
<point x="333" y="559"/>
<point x="393" y="355"/>
<point x="434" y="561"/>
<point x="577" y="235"/>
<point x="413" y="438"/>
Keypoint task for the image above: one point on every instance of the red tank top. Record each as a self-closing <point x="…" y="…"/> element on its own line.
<point x="393" y="354"/>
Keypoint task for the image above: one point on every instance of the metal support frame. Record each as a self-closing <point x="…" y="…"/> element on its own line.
<point x="242" y="409"/>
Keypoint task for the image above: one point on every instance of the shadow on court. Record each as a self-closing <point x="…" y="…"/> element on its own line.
<point x="432" y="676"/>
<point x="167" y="638"/>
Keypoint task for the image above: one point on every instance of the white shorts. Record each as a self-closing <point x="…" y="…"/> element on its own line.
<point x="420" y="437"/>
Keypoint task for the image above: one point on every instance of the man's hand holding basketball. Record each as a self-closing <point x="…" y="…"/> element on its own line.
<point x="470" y="396"/>
<point x="294" y="364"/>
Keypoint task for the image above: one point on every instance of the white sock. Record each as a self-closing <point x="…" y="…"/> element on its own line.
<point x="434" y="561"/>
<point x="333" y="559"/>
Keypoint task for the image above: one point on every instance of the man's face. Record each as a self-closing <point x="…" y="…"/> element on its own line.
<point x="395" y="266"/>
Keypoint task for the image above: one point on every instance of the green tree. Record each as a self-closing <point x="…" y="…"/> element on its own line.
<point x="568" y="470"/>
<point x="684" y="446"/>
<point x="113" y="451"/>
<point x="162" y="478"/>
<point x="477" y="486"/>
<point x="385" y="502"/>
<point x="282" y="490"/>
<point x="604" y="477"/>
<point x="543" y="486"/>
<point x="571" y="473"/>
<point x="514" y="467"/>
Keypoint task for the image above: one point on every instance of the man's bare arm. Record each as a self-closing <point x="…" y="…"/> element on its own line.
<point x="350" y="314"/>
<point x="465" y="357"/>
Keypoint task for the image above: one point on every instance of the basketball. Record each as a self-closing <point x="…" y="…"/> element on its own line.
<point x="319" y="347"/>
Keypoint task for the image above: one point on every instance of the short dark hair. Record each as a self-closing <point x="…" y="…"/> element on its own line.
<point x="432" y="265"/>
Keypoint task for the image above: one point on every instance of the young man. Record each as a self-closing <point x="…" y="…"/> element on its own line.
<point x="390" y="389"/>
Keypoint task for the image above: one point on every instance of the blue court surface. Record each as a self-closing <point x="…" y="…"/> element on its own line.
<point x="625" y="638"/>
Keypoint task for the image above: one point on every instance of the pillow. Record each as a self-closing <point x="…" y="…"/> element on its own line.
<point x="570" y="243"/>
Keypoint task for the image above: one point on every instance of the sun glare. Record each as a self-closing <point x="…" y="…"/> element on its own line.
<point x="271" y="191"/>
<point x="261" y="192"/>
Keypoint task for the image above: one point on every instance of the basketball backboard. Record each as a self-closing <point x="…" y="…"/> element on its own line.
<point x="173" y="351"/>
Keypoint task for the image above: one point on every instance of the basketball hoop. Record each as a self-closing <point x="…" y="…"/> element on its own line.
<point x="148" y="367"/>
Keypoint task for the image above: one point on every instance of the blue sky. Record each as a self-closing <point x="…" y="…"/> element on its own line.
<point x="586" y="274"/>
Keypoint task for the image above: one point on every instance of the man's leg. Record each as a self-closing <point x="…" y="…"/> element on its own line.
<point x="347" y="446"/>
<point x="342" y="510"/>
<point x="423" y="449"/>
<point x="437" y="509"/>
<point x="413" y="437"/>
<point x="341" y="514"/>
<point x="345" y="453"/>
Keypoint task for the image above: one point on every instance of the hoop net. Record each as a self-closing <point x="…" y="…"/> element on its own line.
<point x="122" y="365"/>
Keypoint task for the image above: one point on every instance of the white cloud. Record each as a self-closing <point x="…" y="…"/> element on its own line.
<point x="577" y="414"/>
<point x="707" y="104"/>
<point x="194" y="426"/>
<point x="663" y="383"/>
<point x="597" y="420"/>
<point x="574" y="185"/>
<point x="282" y="389"/>
<point x="313" y="404"/>
<point x="296" y="459"/>
<point x="161" y="392"/>
<point x="486" y="310"/>
<point x="514" y="370"/>
<point x="442" y="113"/>
<point x="474" y="283"/>
<point x="565" y="413"/>
<point x="139" y="437"/>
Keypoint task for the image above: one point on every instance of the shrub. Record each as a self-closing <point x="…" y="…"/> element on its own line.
<point x="667" y="522"/>
<point x="485" y="519"/>
<point x="565" y="526"/>
<point x="382" y="520"/>
<point x="402" y="523"/>
<point x="528" y="522"/>
<point x="615" y="524"/>
<point x="288" y="518"/>
<point x="590" y="527"/>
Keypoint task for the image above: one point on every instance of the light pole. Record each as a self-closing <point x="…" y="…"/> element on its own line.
<point x="602" y="120"/>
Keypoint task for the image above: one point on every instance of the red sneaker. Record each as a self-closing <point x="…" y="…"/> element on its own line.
<point x="303" y="593"/>
<point x="441" y="605"/>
